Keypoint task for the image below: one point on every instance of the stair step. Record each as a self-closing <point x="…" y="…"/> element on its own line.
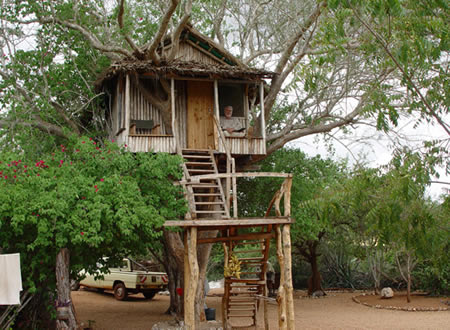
<point x="204" y="185"/>
<point x="201" y="171"/>
<point x="248" y="302"/>
<point x="196" y="156"/>
<point x="241" y="315"/>
<point x="238" y="309"/>
<point x="205" y="212"/>
<point x="249" y="251"/>
<point x="199" y="163"/>
<point x="249" y="243"/>
<point x="206" y="194"/>
<point x="247" y="281"/>
<point x="238" y="300"/>
<point x="209" y="203"/>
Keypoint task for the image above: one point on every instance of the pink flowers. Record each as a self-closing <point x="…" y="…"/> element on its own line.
<point x="82" y="233"/>
<point x="41" y="164"/>
<point x="101" y="180"/>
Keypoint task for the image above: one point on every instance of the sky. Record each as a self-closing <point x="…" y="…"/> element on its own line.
<point x="374" y="148"/>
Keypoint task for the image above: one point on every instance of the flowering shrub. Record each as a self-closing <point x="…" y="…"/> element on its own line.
<point x="95" y="200"/>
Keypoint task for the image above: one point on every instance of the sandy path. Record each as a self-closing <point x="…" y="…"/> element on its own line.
<point x="336" y="311"/>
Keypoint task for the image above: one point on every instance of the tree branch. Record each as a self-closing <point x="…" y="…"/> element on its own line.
<point x="39" y="124"/>
<point x="383" y="44"/>
<point x="90" y="37"/>
<point x="137" y="51"/>
<point x="177" y="32"/>
<point x="277" y="80"/>
<point x="150" y="51"/>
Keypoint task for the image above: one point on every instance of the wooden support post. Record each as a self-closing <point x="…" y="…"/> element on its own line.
<point x="289" y="290"/>
<point x="217" y="140"/>
<point x="263" y="120"/>
<point x="228" y="184"/>
<point x="190" y="277"/>
<point x="225" y="296"/>
<point x="266" y="309"/>
<point x="235" y="204"/>
<point x="127" y="107"/>
<point x="187" y="274"/>
<point x="281" y="296"/>
<point x="172" y="106"/>
<point x="287" y="196"/>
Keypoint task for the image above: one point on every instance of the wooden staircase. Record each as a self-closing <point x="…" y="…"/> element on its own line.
<point x="206" y="197"/>
<point x="241" y="295"/>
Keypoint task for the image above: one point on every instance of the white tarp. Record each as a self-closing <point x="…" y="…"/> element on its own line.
<point x="10" y="279"/>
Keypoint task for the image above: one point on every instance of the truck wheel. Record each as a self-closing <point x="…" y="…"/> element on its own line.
<point x="120" y="291"/>
<point x="150" y="294"/>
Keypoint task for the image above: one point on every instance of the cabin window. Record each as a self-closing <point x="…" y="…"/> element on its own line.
<point x="232" y="94"/>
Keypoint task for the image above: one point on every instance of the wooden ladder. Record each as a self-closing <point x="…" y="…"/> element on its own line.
<point x="206" y="197"/>
<point x="241" y="295"/>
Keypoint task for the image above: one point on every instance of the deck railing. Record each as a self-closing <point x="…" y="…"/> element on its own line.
<point x="231" y="168"/>
<point x="284" y="191"/>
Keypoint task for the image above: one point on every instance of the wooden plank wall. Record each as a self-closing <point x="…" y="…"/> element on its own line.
<point x="187" y="52"/>
<point x="180" y="112"/>
<point x="151" y="144"/>
<point x="245" y="146"/>
<point x="143" y="110"/>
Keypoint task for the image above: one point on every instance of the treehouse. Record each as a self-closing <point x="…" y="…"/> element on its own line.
<point x="176" y="103"/>
<point x="177" y="106"/>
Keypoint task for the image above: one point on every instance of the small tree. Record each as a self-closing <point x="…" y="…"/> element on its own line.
<point x="66" y="210"/>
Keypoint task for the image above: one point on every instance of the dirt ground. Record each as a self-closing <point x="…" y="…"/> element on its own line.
<point x="335" y="311"/>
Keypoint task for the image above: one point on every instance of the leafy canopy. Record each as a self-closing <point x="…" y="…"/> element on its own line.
<point x="96" y="200"/>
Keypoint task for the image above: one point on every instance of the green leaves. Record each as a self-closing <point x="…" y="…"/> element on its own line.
<point x="89" y="196"/>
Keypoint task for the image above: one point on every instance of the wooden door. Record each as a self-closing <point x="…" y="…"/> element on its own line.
<point x="200" y="107"/>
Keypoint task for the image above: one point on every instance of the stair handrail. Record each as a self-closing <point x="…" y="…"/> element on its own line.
<point x="231" y="168"/>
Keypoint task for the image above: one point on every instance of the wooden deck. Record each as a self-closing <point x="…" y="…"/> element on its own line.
<point x="166" y="143"/>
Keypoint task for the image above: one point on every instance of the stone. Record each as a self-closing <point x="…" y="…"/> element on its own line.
<point x="318" y="293"/>
<point x="387" y="293"/>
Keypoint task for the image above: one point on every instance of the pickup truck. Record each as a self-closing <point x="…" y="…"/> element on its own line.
<point x="129" y="277"/>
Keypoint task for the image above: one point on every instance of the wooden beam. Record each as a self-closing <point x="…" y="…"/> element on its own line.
<point x="281" y="296"/>
<point x="228" y="223"/>
<point x="287" y="197"/>
<point x="191" y="286"/>
<point x="217" y="113"/>
<point x="127" y="105"/>
<point x="288" y="278"/>
<point x="242" y="237"/>
<point x="172" y="107"/>
<point x="263" y="120"/>
<point x="241" y="175"/>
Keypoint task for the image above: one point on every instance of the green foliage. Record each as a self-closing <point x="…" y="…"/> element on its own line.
<point x="97" y="200"/>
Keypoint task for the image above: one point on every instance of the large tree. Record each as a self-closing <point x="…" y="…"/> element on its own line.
<point x="67" y="209"/>
<point x="339" y="63"/>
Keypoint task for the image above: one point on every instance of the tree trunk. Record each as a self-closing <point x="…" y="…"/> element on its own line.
<point x="174" y="265"/>
<point x="315" y="281"/>
<point x="408" y="287"/>
<point x="65" y="311"/>
<point x="308" y="250"/>
<point x="203" y="253"/>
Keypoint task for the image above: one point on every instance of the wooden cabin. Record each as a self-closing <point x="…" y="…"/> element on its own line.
<point x="176" y="106"/>
<point x="157" y="108"/>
